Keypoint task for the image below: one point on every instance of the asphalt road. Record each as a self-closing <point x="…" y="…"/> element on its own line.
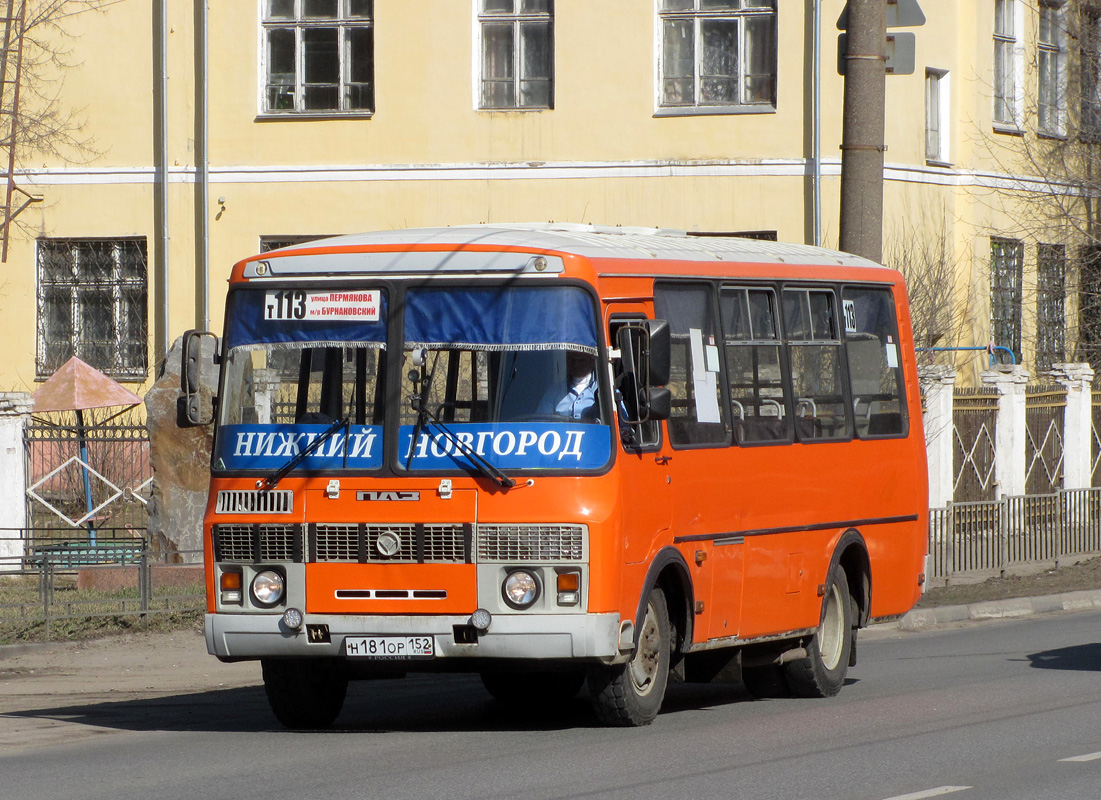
<point x="994" y="710"/>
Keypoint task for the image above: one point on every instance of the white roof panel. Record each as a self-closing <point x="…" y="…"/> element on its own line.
<point x="590" y="241"/>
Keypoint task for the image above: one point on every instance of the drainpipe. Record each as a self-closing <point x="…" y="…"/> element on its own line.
<point x="161" y="339"/>
<point x="203" y="209"/>
<point x="816" y="143"/>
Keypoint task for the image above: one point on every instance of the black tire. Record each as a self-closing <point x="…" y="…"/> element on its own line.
<point x="630" y="695"/>
<point x="766" y="681"/>
<point x="822" y="672"/>
<point x="305" y="693"/>
<point x="539" y="688"/>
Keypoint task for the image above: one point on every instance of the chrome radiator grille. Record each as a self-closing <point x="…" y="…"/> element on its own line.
<point x="514" y="543"/>
<point x="391" y="543"/>
<point x="252" y="543"/>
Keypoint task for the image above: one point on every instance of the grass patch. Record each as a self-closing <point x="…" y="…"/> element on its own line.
<point x="76" y="614"/>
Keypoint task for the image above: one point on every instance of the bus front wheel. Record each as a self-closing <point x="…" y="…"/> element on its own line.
<point x="305" y="693"/>
<point x="631" y="694"/>
<point x="822" y="672"/>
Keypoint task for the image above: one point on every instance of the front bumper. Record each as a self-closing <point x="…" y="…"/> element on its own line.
<point x="517" y="636"/>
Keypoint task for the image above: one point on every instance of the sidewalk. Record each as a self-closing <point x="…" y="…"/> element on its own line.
<point x="920" y="619"/>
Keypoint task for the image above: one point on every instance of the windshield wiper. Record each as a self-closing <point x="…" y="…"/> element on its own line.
<point x="479" y="462"/>
<point x="272" y="480"/>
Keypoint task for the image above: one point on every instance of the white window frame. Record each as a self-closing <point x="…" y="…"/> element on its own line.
<point x="696" y="14"/>
<point x="1051" y="117"/>
<point x="1008" y="86"/>
<point x="516" y="19"/>
<point x="938" y="94"/>
<point x="344" y="24"/>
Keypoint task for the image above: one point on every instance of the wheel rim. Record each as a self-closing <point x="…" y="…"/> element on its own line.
<point x="831" y="633"/>
<point x="644" y="665"/>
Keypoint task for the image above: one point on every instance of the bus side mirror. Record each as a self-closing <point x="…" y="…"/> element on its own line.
<point x="189" y="409"/>
<point x="659" y="403"/>
<point x="657" y="352"/>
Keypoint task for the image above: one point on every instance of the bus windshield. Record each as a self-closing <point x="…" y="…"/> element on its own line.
<point x="492" y="378"/>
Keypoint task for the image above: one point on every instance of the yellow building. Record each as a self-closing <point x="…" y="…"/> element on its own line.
<point x="322" y="117"/>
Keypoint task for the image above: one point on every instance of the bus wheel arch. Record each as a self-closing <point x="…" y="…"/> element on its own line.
<point x="851" y="553"/>
<point x="669" y="572"/>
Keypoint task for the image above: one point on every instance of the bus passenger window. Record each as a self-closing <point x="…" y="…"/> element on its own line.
<point x="757" y="396"/>
<point x="697" y="408"/>
<point x="814" y="351"/>
<point x="875" y="369"/>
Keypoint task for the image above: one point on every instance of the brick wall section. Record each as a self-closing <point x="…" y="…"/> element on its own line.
<point x="164" y="576"/>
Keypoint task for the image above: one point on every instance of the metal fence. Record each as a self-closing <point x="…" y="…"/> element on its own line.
<point x="1045" y="408"/>
<point x="974" y="427"/>
<point x="992" y="537"/>
<point x="93" y="478"/>
<point x="52" y="588"/>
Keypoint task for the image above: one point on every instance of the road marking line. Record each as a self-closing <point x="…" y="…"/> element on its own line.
<point x="1086" y="757"/>
<point x="929" y="793"/>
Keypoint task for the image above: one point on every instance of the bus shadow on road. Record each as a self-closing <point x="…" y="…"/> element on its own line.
<point x="441" y="703"/>
<point x="1080" y="657"/>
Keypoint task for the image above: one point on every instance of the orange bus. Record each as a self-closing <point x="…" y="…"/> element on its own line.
<point x="555" y="454"/>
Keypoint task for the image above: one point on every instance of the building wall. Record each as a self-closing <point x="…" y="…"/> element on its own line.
<point x="426" y="156"/>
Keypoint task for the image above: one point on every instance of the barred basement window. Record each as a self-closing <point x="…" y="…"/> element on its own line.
<point x="517" y="54"/>
<point x="1051" y="273"/>
<point x="718" y="54"/>
<point x="1006" y="268"/>
<point x="92" y="296"/>
<point x="319" y="56"/>
<point x="269" y="243"/>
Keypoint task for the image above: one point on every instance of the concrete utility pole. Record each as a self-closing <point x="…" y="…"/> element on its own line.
<point x="862" y="138"/>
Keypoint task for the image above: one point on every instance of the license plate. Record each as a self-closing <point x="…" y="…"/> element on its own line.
<point x="390" y="646"/>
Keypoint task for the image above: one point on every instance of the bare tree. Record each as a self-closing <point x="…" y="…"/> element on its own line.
<point x="34" y="119"/>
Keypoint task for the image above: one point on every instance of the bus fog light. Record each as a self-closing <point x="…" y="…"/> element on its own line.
<point x="481" y="619"/>
<point x="267" y="587"/>
<point x="292" y="618"/>
<point x="520" y="589"/>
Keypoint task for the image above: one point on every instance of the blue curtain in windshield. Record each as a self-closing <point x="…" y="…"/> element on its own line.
<point x="251" y="320"/>
<point x="529" y="318"/>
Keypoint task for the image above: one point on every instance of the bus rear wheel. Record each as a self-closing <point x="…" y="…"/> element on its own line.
<point x="304" y="693"/>
<point x="630" y="695"/>
<point x="822" y="672"/>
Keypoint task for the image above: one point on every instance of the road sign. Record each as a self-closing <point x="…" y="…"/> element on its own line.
<point x="900" y="14"/>
<point x="900" y="53"/>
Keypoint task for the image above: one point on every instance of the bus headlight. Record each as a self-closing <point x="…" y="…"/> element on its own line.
<point x="520" y="589"/>
<point x="267" y="588"/>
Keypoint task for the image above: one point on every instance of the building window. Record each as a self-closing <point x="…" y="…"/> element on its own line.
<point x="718" y="54"/>
<point x="92" y="304"/>
<point x="269" y="243"/>
<point x="1006" y="272"/>
<point x="1051" y="274"/>
<point x="1090" y="39"/>
<point x="936" y="116"/>
<point x="1007" y="63"/>
<point x="1050" y="63"/>
<point x="517" y="54"/>
<point x="319" y="56"/>
<point x="1089" y="307"/>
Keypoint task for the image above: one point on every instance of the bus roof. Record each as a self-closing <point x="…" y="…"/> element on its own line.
<point x="588" y="241"/>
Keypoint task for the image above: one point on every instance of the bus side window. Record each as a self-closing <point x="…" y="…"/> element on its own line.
<point x="757" y="388"/>
<point x="814" y="352"/>
<point x="875" y="366"/>
<point x="698" y="416"/>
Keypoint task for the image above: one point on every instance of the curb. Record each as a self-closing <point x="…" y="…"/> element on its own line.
<point x="921" y="619"/>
